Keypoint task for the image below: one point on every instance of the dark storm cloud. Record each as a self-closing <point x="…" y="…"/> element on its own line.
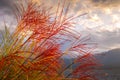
<point x="6" y="3"/>
<point x="7" y="14"/>
<point x="6" y="6"/>
<point x="106" y="3"/>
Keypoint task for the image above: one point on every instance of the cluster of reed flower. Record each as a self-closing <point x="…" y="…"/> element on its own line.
<point x="33" y="51"/>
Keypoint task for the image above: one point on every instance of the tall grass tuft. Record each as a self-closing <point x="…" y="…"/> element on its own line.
<point x="34" y="50"/>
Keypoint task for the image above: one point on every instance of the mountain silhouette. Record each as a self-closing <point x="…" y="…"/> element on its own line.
<point x="110" y="59"/>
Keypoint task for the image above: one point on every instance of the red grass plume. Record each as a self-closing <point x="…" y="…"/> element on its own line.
<point x="36" y="49"/>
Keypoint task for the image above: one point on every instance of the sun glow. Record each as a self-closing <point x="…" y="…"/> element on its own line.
<point x="95" y="17"/>
<point x="115" y="18"/>
<point x="107" y="11"/>
<point x="36" y="1"/>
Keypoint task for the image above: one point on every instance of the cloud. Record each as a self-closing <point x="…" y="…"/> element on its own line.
<point x="106" y="3"/>
<point x="105" y="39"/>
<point x="6" y="4"/>
<point x="6" y="14"/>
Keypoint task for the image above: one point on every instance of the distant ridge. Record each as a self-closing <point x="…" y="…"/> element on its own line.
<point x="110" y="59"/>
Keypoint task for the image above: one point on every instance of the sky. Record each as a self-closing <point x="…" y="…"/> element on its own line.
<point x="102" y="20"/>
